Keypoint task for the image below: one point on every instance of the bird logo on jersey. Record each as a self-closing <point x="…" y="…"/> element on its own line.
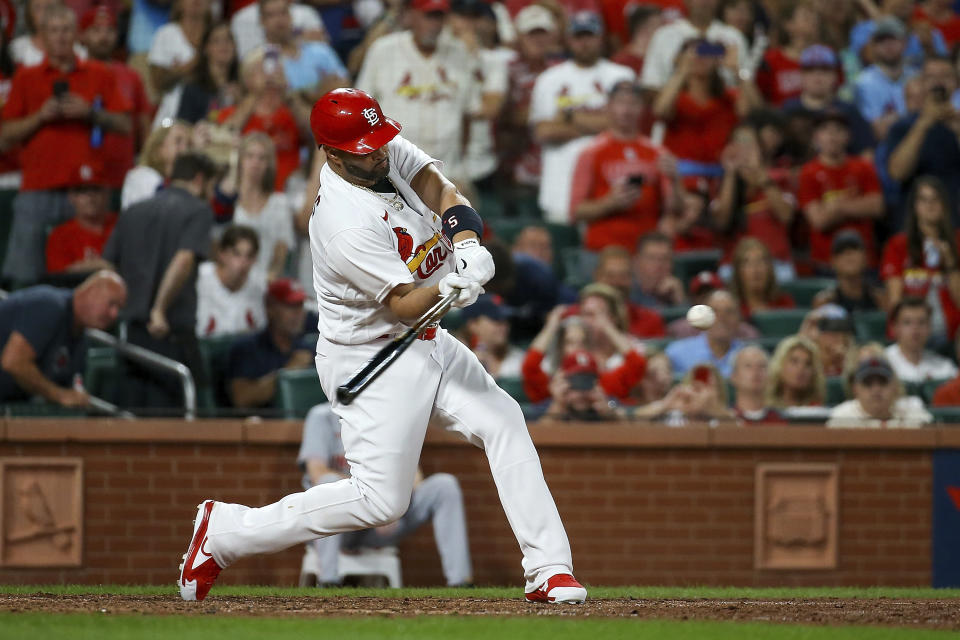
<point x="404" y="243"/>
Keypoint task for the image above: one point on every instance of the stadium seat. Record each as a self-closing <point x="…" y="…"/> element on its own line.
<point x="767" y="343"/>
<point x="489" y="205"/>
<point x="929" y="388"/>
<point x="298" y="391"/>
<point x="656" y="344"/>
<point x="513" y="386"/>
<point x="578" y="266"/>
<point x="384" y="561"/>
<point x="689" y="263"/>
<point x="40" y="410"/>
<point x="6" y="219"/>
<point x="913" y="389"/>
<point x="778" y="322"/>
<point x="669" y="314"/>
<point x="950" y="415"/>
<point x="870" y="326"/>
<point x="803" y="290"/>
<point x="836" y="393"/>
<point x="507" y="229"/>
<point x="214" y="353"/>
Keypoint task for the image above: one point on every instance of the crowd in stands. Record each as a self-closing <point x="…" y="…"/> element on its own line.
<point x="793" y="164"/>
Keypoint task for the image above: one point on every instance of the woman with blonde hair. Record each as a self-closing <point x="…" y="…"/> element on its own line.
<point x="796" y="375"/>
<point x="754" y="279"/>
<point x="161" y="148"/>
<point x="258" y="206"/>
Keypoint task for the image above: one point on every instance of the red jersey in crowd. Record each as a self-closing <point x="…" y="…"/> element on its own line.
<point x="918" y="279"/>
<point x="779" y="77"/>
<point x="643" y="322"/>
<point x="854" y="177"/>
<point x="949" y="28"/>
<point x="51" y="156"/>
<point x="616" y="382"/>
<point x="72" y="242"/>
<point x="9" y="160"/>
<point x="119" y="150"/>
<point x="947" y="394"/>
<point x="762" y="223"/>
<point x="699" y="131"/>
<point x="282" y="128"/>
<point x="694" y="239"/>
<point x="606" y="162"/>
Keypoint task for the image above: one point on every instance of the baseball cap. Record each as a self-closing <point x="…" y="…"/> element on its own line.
<point x="846" y="239"/>
<point x="888" y="27"/>
<point x="580" y="369"/>
<point x="832" y="115"/>
<point x="818" y="56"/>
<point x="705" y="281"/>
<point x="87" y="175"/>
<point x="833" y="318"/>
<point x="429" y="6"/>
<point x="488" y="305"/>
<point x="873" y="367"/>
<point x="99" y="13"/>
<point x="286" y="291"/>
<point x="534" y="17"/>
<point x="585" y="22"/>
<point x="475" y="8"/>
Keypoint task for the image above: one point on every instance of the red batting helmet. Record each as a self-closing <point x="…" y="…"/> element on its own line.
<point x="351" y="120"/>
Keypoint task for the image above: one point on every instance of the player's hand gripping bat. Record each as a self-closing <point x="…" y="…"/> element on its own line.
<point x="347" y="392"/>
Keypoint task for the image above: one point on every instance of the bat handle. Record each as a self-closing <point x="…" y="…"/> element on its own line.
<point x="344" y="395"/>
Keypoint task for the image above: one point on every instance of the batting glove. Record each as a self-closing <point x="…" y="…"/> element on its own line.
<point x="468" y="290"/>
<point x="473" y="261"/>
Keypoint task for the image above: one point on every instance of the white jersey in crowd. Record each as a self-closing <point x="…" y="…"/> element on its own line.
<point x="481" y="157"/>
<point x="908" y="413"/>
<point x="931" y="366"/>
<point x="363" y="247"/>
<point x="659" y="61"/>
<point x="221" y="311"/>
<point x="170" y="47"/>
<point x="568" y="86"/>
<point x="429" y="95"/>
<point x="248" y="32"/>
<point x="273" y="224"/>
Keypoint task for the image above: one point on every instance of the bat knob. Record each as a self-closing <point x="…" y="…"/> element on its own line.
<point x="344" y="395"/>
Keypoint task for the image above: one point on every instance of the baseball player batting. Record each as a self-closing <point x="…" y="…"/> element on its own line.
<point x="382" y="257"/>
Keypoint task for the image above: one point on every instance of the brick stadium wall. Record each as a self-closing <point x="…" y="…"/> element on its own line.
<point x="641" y="505"/>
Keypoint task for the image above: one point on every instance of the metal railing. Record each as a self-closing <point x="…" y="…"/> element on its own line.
<point x="153" y="359"/>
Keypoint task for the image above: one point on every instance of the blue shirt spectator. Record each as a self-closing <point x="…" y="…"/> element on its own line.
<point x="913" y="52"/>
<point x="317" y="62"/>
<point x="877" y="94"/>
<point x="145" y="18"/>
<point x="719" y="339"/>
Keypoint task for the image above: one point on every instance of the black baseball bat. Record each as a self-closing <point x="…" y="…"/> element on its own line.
<point x="347" y="392"/>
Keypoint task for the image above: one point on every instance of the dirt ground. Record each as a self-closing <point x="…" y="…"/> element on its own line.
<point x="932" y="614"/>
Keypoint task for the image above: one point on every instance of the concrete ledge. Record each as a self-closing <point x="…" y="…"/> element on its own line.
<point x="555" y="435"/>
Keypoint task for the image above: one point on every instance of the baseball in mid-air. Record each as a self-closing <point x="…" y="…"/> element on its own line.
<point x="700" y="316"/>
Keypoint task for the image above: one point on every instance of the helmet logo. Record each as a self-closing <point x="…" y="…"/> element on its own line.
<point x="371" y="115"/>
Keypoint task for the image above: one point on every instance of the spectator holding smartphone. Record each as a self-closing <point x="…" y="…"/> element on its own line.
<point x="54" y="109"/>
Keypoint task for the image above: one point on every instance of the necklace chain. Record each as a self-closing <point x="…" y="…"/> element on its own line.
<point x="396" y="201"/>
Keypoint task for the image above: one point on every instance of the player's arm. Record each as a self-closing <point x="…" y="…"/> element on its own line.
<point x="439" y="194"/>
<point x="408" y="302"/>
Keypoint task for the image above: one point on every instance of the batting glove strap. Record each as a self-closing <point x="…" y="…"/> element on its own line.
<point x="473" y="261"/>
<point x="459" y="218"/>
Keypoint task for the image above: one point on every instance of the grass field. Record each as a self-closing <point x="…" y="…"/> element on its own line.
<point x="80" y="612"/>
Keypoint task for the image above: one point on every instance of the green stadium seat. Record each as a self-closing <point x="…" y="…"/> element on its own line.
<point x="669" y="314"/>
<point x="803" y="290"/>
<point x="489" y="205"/>
<point x="214" y="353"/>
<point x="870" y="326"/>
<point x="298" y="391"/>
<point x="835" y="391"/>
<point x="778" y="322"/>
<point x="929" y="388"/>
<point x="102" y="372"/>
<point x="578" y="266"/>
<point x="513" y="386"/>
<point x="689" y="263"/>
<point x="950" y="415"/>
<point x="656" y="344"/>
<point x="913" y="389"/>
<point x="6" y="219"/>
<point x="507" y="229"/>
<point x="767" y="343"/>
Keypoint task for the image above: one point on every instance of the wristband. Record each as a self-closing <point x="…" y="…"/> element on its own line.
<point x="459" y="218"/>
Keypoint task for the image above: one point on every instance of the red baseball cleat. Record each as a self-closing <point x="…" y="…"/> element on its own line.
<point x="562" y="587"/>
<point x="199" y="570"/>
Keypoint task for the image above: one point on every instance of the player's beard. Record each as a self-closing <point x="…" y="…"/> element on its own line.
<point x="372" y="176"/>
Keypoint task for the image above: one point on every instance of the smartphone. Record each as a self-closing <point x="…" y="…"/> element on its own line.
<point x="707" y="49"/>
<point x="939" y="93"/>
<point x="60" y="88"/>
<point x="702" y="374"/>
<point x="635" y="180"/>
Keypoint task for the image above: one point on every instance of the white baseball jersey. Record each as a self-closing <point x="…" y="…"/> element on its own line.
<point x="568" y="86"/>
<point x="430" y="95"/>
<point x="223" y="312"/>
<point x="362" y="248"/>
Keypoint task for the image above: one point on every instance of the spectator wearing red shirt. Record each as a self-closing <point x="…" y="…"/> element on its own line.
<point x="76" y="245"/>
<point x="779" y="76"/>
<point x="643" y="21"/>
<point x="698" y="109"/>
<point x="98" y="32"/>
<point x="837" y="191"/>
<point x="266" y="108"/>
<point x="754" y="201"/>
<point x="622" y="182"/>
<point x="941" y="15"/>
<point x="754" y="280"/>
<point x="922" y="262"/>
<point x="52" y="111"/>
<point x="613" y="270"/>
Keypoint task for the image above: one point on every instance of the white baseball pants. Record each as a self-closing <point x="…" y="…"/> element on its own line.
<point x="436" y="381"/>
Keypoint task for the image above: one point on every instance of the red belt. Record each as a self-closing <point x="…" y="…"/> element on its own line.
<point x="427" y="334"/>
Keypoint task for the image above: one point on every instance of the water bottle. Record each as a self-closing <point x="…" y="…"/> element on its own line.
<point x="96" y="135"/>
<point x="931" y="254"/>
